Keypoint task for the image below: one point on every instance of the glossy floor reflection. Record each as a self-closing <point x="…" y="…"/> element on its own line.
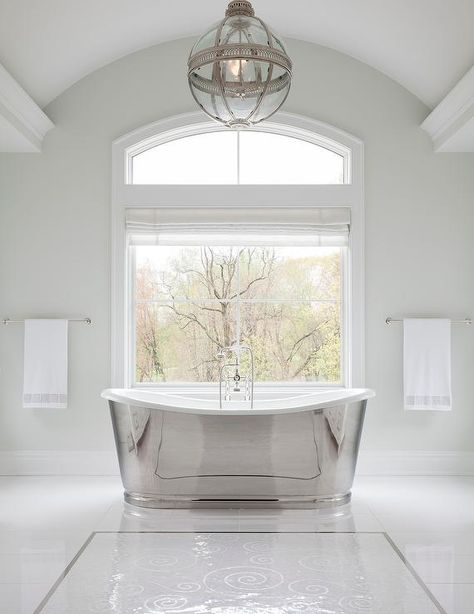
<point x="44" y="521"/>
<point x="245" y="573"/>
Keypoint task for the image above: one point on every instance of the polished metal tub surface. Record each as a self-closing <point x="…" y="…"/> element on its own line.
<point x="182" y="452"/>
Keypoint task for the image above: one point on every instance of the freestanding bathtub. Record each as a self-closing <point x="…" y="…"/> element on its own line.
<point x="296" y="448"/>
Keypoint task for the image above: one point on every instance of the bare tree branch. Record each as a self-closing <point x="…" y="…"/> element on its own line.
<point x="298" y="342"/>
<point x="306" y="363"/>
<point x="191" y="317"/>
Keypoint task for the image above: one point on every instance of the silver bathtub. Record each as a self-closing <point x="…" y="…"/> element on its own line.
<point x="296" y="448"/>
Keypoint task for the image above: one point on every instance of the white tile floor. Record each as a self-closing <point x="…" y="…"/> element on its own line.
<point x="44" y="521"/>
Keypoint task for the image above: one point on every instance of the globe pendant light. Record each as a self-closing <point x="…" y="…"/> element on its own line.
<point x="239" y="72"/>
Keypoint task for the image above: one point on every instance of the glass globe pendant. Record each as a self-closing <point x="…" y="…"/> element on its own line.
<point x="239" y="72"/>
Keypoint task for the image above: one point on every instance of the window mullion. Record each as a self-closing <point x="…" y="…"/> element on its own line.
<point x="333" y="301"/>
<point x="238" y="157"/>
<point x="238" y="304"/>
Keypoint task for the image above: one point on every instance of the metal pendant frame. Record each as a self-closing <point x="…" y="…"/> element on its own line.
<point x="222" y="52"/>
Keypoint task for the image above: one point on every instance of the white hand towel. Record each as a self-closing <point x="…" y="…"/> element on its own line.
<point x="45" y="364"/>
<point x="427" y="363"/>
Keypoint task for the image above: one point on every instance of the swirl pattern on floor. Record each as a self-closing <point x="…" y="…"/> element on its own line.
<point x="271" y="573"/>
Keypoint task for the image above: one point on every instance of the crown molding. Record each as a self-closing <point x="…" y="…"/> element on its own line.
<point x="451" y="124"/>
<point x="23" y="125"/>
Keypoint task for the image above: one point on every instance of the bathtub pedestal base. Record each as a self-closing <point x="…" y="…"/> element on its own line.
<point x="228" y="503"/>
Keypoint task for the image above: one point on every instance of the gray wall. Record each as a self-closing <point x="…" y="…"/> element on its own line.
<point x="54" y="238"/>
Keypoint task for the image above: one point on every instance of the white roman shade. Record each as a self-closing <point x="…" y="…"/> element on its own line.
<point x="322" y="226"/>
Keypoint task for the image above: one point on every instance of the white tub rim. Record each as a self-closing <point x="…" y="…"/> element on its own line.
<point x="303" y="399"/>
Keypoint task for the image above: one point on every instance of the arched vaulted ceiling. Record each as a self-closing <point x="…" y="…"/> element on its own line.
<point x="47" y="45"/>
<point x="425" y="45"/>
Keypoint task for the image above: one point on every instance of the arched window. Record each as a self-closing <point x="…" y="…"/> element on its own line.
<point x="238" y="158"/>
<point x="223" y="237"/>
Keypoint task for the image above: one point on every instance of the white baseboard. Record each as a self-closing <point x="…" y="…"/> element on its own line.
<point x="58" y="462"/>
<point x="376" y="463"/>
<point x="413" y="462"/>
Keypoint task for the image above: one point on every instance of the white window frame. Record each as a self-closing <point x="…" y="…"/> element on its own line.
<point x="126" y="195"/>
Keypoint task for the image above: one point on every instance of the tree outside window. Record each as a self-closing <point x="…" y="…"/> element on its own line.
<point x="285" y="302"/>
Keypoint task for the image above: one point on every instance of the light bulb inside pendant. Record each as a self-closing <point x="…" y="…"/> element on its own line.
<point x="234" y="67"/>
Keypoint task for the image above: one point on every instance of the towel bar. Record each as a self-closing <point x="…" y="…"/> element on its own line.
<point x="465" y="321"/>
<point x="83" y="320"/>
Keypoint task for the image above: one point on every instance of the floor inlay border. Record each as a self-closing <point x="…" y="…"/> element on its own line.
<point x="413" y="572"/>
<point x="63" y="574"/>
